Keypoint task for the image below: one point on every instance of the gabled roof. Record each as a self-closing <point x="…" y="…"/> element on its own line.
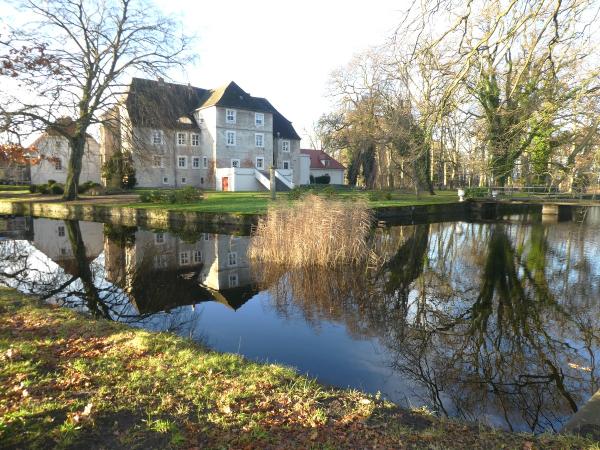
<point x="152" y="103"/>
<point x="316" y="158"/>
<point x="230" y="96"/>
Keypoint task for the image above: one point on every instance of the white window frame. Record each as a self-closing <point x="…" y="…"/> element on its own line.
<point x="285" y="146"/>
<point x="183" y="180"/>
<point x="235" y="160"/>
<point x="232" y="259"/>
<point x="257" y="122"/>
<point x="159" y="238"/>
<point x="165" y="180"/>
<point x="157" y="134"/>
<point x="231" y="133"/>
<point x="196" y="162"/>
<point x="230" y="115"/>
<point x="184" y="258"/>
<point x="259" y="137"/>
<point x="58" y="165"/>
<point x="195" y="140"/>
<point x="205" y="162"/>
<point x="182" y="141"/>
<point x="185" y="166"/>
<point x="262" y="165"/>
<point x="197" y="256"/>
<point x="61" y="231"/>
<point x="286" y="163"/>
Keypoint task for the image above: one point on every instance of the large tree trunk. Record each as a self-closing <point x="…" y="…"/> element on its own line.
<point x="74" y="167"/>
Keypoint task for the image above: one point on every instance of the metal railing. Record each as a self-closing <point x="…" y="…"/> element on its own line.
<point x="527" y="192"/>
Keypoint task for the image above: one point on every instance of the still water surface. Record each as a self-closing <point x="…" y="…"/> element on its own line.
<point x="497" y="322"/>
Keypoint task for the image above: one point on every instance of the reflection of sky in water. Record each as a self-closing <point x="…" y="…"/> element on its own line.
<point x="413" y="336"/>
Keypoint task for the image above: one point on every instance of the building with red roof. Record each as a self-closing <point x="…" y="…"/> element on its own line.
<point x="321" y="164"/>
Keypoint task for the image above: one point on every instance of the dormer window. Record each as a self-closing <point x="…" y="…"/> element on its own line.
<point x="259" y="119"/>
<point x="325" y="162"/>
<point x="184" y="119"/>
<point x="230" y="115"/>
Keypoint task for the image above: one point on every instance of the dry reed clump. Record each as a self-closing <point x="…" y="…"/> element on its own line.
<point x="313" y="232"/>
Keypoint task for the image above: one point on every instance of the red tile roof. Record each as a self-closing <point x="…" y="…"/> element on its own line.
<point x="316" y="158"/>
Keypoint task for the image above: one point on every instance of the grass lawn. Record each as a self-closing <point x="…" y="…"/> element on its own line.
<point x="69" y="381"/>
<point x="6" y="189"/>
<point x="258" y="202"/>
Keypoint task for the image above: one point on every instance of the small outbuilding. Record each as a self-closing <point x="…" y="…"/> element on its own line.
<point x="323" y="167"/>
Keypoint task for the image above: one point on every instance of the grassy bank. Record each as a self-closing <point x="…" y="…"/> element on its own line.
<point x="240" y="202"/>
<point x="69" y="381"/>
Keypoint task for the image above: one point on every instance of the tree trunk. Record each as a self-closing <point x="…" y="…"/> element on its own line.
<point x="74" y="167"/>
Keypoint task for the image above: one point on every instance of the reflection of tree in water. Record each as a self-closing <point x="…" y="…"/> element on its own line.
<point x="482" y="336"/>
<point x="83" y="283"/>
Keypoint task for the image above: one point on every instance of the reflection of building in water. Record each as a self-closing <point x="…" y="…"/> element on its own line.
<point x="16" y="228"/>
<point x="52" y="238"/>
<point x="161" y="271"/>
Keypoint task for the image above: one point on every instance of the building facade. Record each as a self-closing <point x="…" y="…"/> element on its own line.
<point x="55" y="151"/>
<point x="181" y="135"/>
<point x="323" y="165"/>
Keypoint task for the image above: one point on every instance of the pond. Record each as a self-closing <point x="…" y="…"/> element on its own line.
<point x="491" y="321"/>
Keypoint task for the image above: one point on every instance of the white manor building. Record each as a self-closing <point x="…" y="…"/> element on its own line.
<point x="223" y="139"/>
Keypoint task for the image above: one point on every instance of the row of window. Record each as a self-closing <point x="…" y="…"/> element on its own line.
<point x="231" y="117"/>
<point x="182" y="180"/>
<point x="182" y="163"/>
<point x="259" y="140"/>
<point x="159" y="238"/>
<point x="191" y="257"/>
<point x="230" y="139"/>
<point x="180" y="139"/>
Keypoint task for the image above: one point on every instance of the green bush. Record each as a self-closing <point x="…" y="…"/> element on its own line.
<point x="297" y="193"/>
<point x="83" y="188"/>
<point x="186" y="195"/>
<point x="376" y="196"/>
<point x="323" y="179"/>
<point x="476" y="192"/>
<point x="145" y="197"/>
<point x="43" y="189"/>
<point x="57" y="189"/>
<point x="33" y="188"/>
<point x="51" y="182"/>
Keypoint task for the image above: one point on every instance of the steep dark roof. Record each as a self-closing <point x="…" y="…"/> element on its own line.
<point x="316" y="156"/>
<point x="281" y="126"/>
<point x="230" y="96"/>
<point x="158" y="104"/>
<point x="152" y="103"/>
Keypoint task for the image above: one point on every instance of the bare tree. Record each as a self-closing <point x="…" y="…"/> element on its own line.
<point x="75" y="60"/>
